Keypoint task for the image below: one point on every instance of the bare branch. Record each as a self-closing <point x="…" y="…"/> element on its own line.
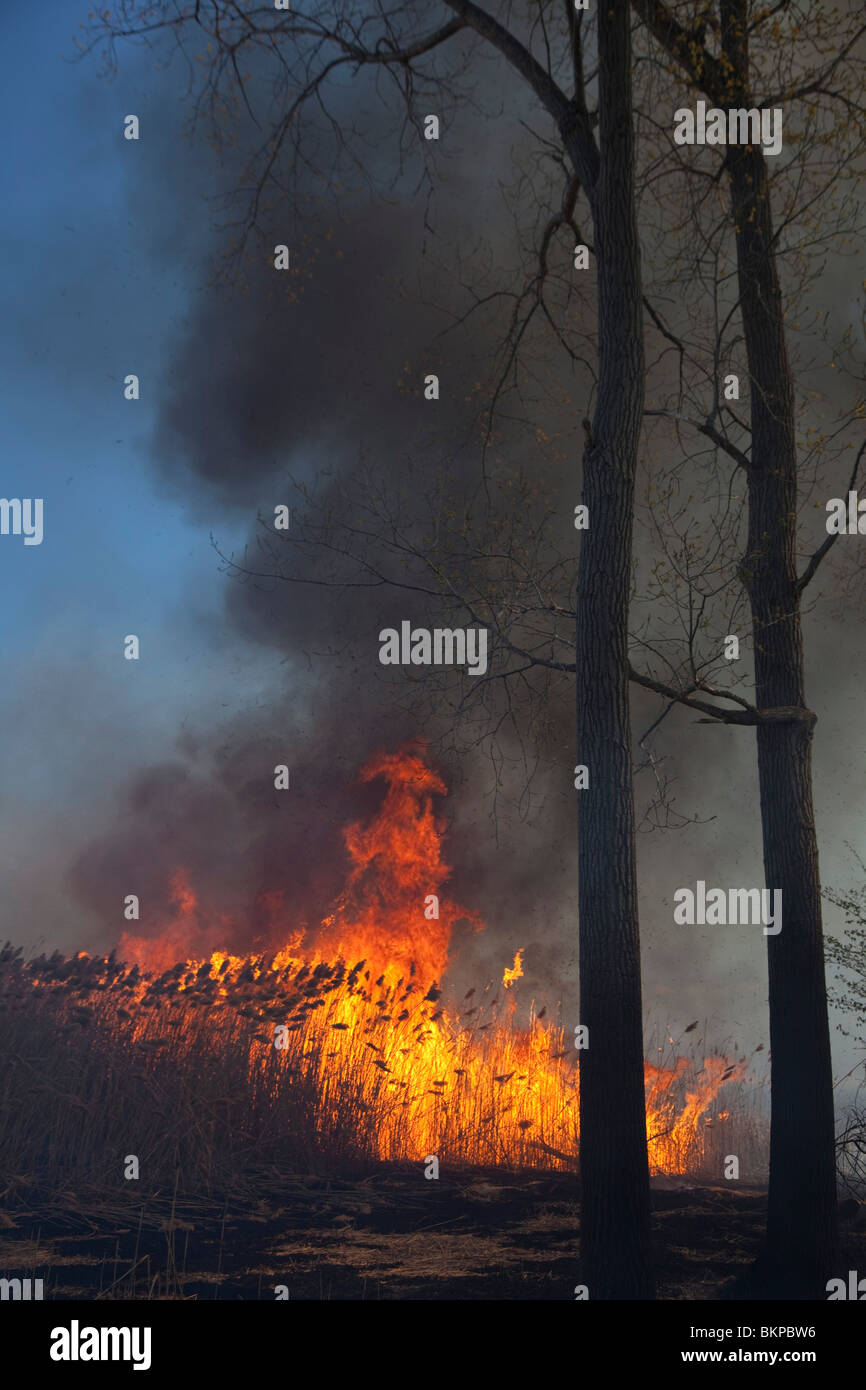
<point x="823" y="549"/>
<point x="784" y="714"/>
<point x="740" y="459"/>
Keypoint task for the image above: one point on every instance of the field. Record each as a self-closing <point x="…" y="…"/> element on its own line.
<point x="383" y="1234"/>
<point x="155" y="1143"/>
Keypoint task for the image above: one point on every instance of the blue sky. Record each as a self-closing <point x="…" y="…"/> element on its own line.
<point x="94" y="283"/>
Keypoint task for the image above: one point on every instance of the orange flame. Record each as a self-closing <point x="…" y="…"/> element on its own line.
<point x="359" y="1006"/>
<point x="516" y="971"/>
<point x="392" y="912"/>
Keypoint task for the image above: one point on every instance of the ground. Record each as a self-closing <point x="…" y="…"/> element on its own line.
<point x="385" y="1234"/>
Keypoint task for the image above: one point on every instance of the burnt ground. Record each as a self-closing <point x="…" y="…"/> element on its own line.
<point x="387" y="1234"/>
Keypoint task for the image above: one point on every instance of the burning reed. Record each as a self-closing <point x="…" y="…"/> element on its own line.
<point x="335" y="1051"/>
<point x="213" y="1069"/>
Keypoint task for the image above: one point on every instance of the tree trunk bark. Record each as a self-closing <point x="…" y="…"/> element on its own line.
<point x="615" y="1210"/>
<point x="801" y="1219"/>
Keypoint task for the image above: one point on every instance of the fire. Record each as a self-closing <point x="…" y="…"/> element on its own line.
<point x="355" y="1023"/>
<point x="186" y="936"/>
<point x="516" y="971"/>
<point x="392" y="912"/>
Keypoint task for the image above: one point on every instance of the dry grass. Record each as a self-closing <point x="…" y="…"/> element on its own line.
<point x="98" y="1062"/>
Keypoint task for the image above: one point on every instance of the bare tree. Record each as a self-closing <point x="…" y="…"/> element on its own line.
<point x="740" y="56"/>
<point x="848" y="955"/>
<point x="310" y="50"/>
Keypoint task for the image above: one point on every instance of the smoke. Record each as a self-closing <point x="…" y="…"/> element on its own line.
<point x="280" y="379"/>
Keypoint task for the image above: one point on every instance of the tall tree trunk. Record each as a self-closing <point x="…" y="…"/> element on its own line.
<point x="615" y="1214"/>
<point x="801" y="1219"/>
